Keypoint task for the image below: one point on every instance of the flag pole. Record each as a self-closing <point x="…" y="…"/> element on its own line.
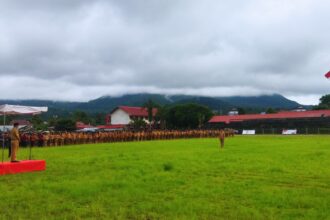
<point x="3" y="136"/>
<point x="30" y="155"/>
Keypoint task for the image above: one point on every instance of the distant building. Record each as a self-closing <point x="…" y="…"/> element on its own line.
<point x="21" y="122"/>
<point x="285" y="119"/>
<point x="82" y="125"/>
<point x="6" y="128"/>
<point x="111" y="127"/>
<point x="9" y="127"/>
<point x="299" y="109"/>
<point x="123" y="115"/>
<point x="234" y="111"/>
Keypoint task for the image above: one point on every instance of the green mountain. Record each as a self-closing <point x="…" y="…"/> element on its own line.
<point x="215" y="104"/>
<point x="265" y="101"/>
<point x="108" y="103"/>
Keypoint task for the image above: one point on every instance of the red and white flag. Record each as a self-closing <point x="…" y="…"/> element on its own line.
<point x="327" y="75"/>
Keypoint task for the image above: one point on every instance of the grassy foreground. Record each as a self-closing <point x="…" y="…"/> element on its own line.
<point x="259" y="177"/>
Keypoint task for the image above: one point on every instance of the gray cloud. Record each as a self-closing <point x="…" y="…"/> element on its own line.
<point x="78" y="50"/>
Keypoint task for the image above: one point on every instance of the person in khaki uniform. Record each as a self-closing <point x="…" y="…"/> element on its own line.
<point x="15" y="139"/>
<point x="82" y="138"/>
<point x="50" y="139"/>
<point x="222" y="136"/>
<point x="62" y="138"/>
<point x="103" y="137"/>
<point x="46" y="139"/>
<point x="85" y="137"/>
<point x="69" y="137"/>
<point x="74" y="138"/>
<point x="55" y="138"/>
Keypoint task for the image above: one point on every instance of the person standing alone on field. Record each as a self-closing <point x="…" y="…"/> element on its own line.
<point x="222" y="138"/>
<point x="15" y="139"/>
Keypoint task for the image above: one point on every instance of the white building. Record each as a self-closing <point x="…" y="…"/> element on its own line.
<point x="7" y="128"/>
<point x="234" y="111"/>
<point x="123" y="115"/>
<point x="299" y="109"/>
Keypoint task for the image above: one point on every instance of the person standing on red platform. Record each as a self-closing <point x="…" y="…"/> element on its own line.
<point x="15" y="139"/>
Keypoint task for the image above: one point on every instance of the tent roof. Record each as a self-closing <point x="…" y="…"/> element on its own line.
<point x="20" y="109"/>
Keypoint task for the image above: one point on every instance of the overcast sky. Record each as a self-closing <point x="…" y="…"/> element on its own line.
<point x="82" y="49"/>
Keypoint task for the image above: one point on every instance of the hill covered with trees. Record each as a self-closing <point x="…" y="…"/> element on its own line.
<point x="106" y="104"/>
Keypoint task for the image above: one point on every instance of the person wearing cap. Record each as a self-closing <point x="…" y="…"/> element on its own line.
<point x="15" y="139"/>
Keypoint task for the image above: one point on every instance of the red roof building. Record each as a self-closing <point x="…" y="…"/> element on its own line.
<point x="111" y="127"/>
<point x="123" y="115"/>
<point x="136" y="111"/>
<point x="280" y="115"/>
<point x="285" y="119"/>
<point x="82" y="125"/>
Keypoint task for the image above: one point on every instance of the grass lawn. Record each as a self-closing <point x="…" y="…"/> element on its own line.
<point x="255" y="177"/>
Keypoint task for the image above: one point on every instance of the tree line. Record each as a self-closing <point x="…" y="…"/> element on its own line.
<point x="324" y="103"/>
<point x="178" y="116"/>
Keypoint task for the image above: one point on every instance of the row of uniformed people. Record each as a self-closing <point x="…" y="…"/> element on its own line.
<point x="43" y="139"/>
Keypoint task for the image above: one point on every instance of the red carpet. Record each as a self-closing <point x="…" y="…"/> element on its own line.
<point x="22" y="167"/>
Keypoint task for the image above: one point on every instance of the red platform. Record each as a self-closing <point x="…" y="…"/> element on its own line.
<point x="22" y="166"/>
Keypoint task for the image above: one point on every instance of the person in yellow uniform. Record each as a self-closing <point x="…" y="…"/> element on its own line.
<point x="46" y="139"/>
<point x="222" y="136"/>
<point x="15" y="139"/>
<point x="84" y="138"/>
<point x="55" y="139"/>
<point x="51" y="139"/>
<point x="73" y="138"/>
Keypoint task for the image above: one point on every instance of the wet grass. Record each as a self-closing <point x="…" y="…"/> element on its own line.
<point x="259" y="177"/>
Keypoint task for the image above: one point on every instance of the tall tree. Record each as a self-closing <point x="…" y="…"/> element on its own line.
<point x="138" y="124"/>
<point x="324" y="102"/>
<point x="65" y="125"/>
<point x="241" y="111"/>
<point x="38" y="123"/>
<point x="81" y="116"/>
<point x="150" y="105"/>
<point x="188" y="116"/>
<point x="271" y="111"/>
<point x="99" y="118"/>
<point x="161" y="115"/>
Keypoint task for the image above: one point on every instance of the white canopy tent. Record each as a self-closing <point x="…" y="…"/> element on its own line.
<point x="17" y="110"/>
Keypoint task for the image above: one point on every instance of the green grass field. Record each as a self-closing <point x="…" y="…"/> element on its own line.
<point x="259" y="177"/>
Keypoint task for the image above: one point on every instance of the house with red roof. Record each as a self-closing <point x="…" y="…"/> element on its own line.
<point x="82" y="125"/>
<point x="123" y="115"/>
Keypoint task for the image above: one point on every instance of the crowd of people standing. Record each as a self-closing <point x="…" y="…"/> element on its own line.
<point x="46" y="139"/>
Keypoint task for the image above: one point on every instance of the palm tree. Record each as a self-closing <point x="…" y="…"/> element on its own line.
<point x="161" y="116"/>
<point x="150" y="105"/>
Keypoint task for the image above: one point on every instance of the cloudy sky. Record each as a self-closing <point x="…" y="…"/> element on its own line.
<point x="83" y="49"/>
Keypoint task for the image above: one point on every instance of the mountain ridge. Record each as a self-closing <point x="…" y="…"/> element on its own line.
<point x="107" y="103"/>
